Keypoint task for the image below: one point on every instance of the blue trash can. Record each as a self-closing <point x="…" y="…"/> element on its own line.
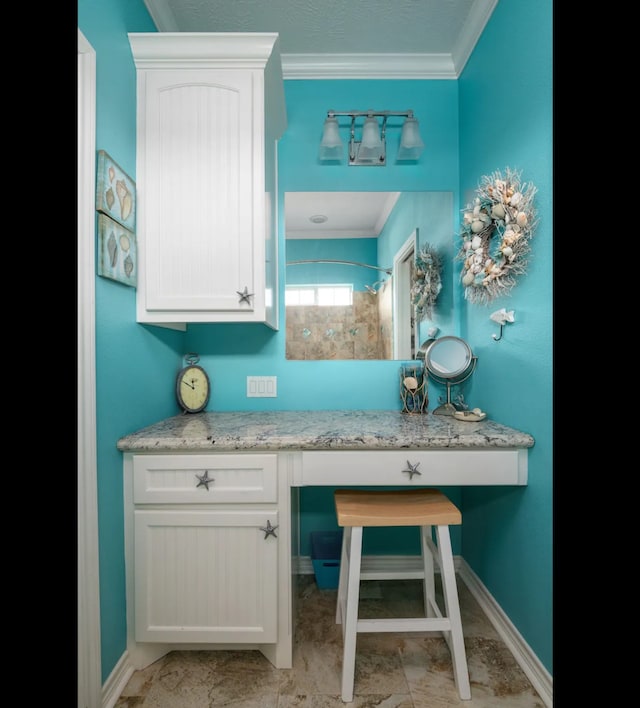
<point x="325" y="555"/>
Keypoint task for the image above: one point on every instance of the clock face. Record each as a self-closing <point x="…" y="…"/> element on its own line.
<point x="192" y="388"/>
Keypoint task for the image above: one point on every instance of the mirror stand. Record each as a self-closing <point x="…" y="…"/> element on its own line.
<point x="448" y="408"/>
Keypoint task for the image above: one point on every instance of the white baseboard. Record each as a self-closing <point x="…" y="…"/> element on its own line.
<point x="118" y="679"/>
<point x="540" y="678"/>
<point x="370" y="565"/>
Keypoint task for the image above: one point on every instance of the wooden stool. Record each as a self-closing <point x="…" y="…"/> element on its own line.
<point x="425" y="508"/>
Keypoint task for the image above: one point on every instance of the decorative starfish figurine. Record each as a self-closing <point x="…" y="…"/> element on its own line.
<point x="245" y="295"/>
<point x="269" y="530"/>
<point x="204" y="480"/>
<point x="413" y="469"/>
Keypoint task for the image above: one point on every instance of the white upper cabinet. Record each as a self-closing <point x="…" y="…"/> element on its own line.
<point x="210" y="110"/>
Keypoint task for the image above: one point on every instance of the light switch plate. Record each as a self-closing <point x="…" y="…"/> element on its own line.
<point x="262" y="386"/>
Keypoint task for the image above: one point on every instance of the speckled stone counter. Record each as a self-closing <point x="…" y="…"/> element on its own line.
<point x="320" y="430"/>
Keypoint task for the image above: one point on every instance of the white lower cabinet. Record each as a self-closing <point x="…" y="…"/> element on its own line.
<point x="208" y="558"/>
<point x="205" y="576"/>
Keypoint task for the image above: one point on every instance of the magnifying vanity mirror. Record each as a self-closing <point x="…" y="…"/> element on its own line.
<point x="448" y="360"/>
<point x="350" y="260"/>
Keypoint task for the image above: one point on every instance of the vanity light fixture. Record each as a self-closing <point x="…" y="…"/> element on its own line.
<point x="371" y="149"/>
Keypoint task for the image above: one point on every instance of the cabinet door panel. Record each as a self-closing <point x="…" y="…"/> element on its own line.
<point x="205" y="576"/>
<point x="198" y="228"/>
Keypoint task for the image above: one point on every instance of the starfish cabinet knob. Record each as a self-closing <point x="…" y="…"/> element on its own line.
<point x="269" y="530"/>
<point x="245" y="295"/>
<point x="204" y="480"/>
<point x="413" y="469"/>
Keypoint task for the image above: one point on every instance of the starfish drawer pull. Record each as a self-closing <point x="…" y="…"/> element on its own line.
<point x="269" y="530"/>
<point x="204" y="480"/>
<point x="413" y="469"/>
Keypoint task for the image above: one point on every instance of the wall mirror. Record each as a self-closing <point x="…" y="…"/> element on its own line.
<point x="350" y="260"/>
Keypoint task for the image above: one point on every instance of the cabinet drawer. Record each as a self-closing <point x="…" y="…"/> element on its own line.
<point x="180" y="479"/>
<point x="391" y="468"/>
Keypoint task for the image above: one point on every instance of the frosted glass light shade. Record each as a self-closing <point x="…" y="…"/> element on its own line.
<point x="371" y="145"/>
<point x="331" y="147"/>
<point x="411" y="145"/>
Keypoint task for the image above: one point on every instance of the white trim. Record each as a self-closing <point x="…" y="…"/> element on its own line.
<point x="401" y="284"/>
<point x="203" y="50"/>
<point x="474" y="25"/>
<point x="117" y="681"/>
<point x="162" y="15"/>
<point x="540" y="678"/>
<point x="372" y="565"/>
<point x="89" y="668"/>
<point x="368" y="66"/>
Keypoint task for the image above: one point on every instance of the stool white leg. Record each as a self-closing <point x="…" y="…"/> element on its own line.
<point x="454" y="638"/>
<point x="342" y="577"/>
<point x="429" y="586"/>
<point x="350" y="613"/>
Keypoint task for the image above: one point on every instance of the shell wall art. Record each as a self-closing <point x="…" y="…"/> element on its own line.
<point x="115" y="192"/>
<point x="117" y="252"/>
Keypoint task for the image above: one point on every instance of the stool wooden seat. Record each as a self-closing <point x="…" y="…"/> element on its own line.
<point x="425" y="508"/>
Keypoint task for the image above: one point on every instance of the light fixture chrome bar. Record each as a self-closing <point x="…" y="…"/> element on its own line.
<point x="388" y="271"/>
<point x="367" y="114"/>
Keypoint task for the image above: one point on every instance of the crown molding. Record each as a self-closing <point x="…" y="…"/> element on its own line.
<point x="368" y="66"/>
<point x="203" y="49"/>
<point x="471" y="31"/>
<point x="161" y="15"/>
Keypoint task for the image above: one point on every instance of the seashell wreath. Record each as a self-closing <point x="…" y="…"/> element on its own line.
<point x="496" y="230"/>
<point x="427" y="282"/>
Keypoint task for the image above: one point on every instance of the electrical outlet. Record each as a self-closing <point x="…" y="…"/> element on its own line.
<point x="262" y="386"/>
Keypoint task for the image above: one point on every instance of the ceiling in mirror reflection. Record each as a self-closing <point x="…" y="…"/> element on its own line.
<point x="337" y="214"/>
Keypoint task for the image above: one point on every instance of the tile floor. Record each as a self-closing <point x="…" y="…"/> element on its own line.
<point x="392" y="670"/>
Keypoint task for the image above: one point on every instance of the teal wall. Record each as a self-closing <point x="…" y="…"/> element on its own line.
<point x="432" y="215"/>
<point x="136" y="364"/>
<point x="361" y="250"/>
<point x="506" y="121"/>
<point x="232" y="351"/>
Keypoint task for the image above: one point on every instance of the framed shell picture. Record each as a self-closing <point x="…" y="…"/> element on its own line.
<point x="115" y="192"/>
<point x="117" y="252"/>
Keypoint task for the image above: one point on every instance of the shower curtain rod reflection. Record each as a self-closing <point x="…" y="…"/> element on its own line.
<point x="388" y="271"/>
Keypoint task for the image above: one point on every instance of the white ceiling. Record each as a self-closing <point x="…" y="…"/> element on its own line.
<point x="345" y="38"/>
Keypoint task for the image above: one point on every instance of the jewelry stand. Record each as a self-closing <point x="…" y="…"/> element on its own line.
<point x="448" y="408"/>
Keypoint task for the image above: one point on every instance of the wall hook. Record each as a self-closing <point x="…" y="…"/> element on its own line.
<point x="501" y="316"/>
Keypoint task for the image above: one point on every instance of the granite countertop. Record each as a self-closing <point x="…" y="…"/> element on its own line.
<point x="319" y="430"/>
